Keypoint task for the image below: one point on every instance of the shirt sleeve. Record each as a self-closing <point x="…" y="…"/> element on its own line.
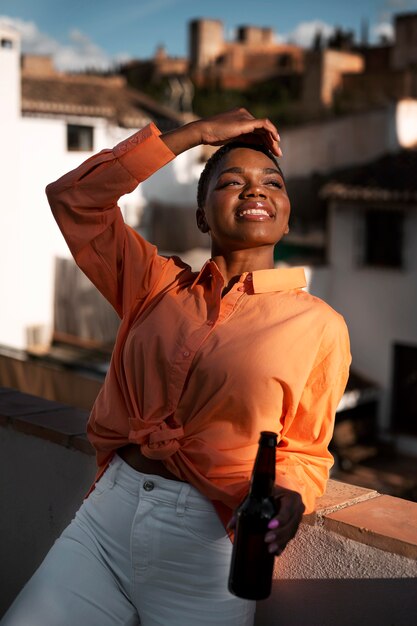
<point x="303" y="458"/>
<point x="84" y="202"/>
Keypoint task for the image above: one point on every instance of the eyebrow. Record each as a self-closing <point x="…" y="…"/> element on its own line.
<point x="239" y="170"/>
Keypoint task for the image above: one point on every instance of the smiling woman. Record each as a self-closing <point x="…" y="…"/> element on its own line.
<point x="244" y="193"/>
<point x="203" y="362"/>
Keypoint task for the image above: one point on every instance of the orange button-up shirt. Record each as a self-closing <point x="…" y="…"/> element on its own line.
<point x="194" y="376"/>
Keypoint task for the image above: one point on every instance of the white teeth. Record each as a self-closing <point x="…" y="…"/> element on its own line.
<point x="254" y="212"/>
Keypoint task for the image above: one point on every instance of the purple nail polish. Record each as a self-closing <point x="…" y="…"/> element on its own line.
<point x="274" y="523"/>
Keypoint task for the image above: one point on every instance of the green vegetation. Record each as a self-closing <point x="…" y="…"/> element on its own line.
<point x="270" y="99"/>
<point x="273" y="99"/>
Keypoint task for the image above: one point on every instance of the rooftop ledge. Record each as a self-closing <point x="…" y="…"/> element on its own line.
<point x="353" y="561"/>
<point x="355" y="513"/>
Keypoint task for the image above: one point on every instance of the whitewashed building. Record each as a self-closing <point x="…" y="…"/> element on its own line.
<point x="49" y="123"/>
<point x="372" y="278"/>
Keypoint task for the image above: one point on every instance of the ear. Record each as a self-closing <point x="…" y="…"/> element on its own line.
<point x="287" y="230"/>
<point x="201" y="221"/>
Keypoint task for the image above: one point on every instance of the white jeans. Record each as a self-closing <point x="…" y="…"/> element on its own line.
<point x="141" y="550"/>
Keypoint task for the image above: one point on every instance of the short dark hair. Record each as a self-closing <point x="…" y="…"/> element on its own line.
<point x="217" y="156"/>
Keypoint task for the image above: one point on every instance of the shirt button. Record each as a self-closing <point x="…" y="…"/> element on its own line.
<point x="148" y="485"/>
<point x="241" y="289"/>
<point x="210" y="323"/>
<point x="185" y="353"/>
<point x="249" y="277"/>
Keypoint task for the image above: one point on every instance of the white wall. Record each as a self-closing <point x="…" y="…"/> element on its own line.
<point x="29" y="237"/>
<point x="379" y="305"/>
<point x="32" y="236"/>
<point x="10" y="235"/>
<point x="349" y="140"/>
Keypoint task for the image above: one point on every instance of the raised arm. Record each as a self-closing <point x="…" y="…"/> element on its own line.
<point x="84" y="203"/>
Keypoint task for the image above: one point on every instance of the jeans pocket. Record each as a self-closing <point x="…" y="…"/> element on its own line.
<point x="204" y="526"/>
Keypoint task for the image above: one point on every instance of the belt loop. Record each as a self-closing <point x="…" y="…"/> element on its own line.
<point x="182" y="499"/>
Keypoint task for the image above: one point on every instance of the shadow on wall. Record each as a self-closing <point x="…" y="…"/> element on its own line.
<point x="327" y="602"/>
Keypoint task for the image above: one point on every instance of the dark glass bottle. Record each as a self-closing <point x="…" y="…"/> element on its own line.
<point x="252" y="565"/>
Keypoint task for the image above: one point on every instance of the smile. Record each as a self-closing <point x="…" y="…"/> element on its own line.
<point x="255" y="210"/>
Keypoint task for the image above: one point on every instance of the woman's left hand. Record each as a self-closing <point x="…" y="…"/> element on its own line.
<point x="283" y="527"/>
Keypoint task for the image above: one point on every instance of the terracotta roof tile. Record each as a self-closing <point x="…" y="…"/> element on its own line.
<point x="390" y="179"/>
<point x="107" y="97"/>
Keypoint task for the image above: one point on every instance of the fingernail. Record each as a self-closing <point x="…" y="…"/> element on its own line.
<point x="270" y="537"/>
<point x="274" y="523"/>
<point x="273" y="547"/>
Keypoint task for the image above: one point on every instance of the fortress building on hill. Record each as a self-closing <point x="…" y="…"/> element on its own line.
<point x="348" y="77"/>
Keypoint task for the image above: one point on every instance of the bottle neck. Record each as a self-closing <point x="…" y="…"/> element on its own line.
<point x="263" y="476"/>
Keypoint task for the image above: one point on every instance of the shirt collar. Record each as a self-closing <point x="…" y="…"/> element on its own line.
<point x="281" y="279"/>
<point x="264" y="281"/>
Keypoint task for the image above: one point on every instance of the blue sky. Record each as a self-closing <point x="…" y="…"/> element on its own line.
<point x="110" y="30"/>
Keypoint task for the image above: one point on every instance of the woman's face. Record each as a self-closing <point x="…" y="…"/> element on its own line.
<point x="246" y="204"/>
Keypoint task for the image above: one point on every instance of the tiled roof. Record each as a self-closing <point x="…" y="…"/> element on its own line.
<point x="390" y="179"/>
<point x="95" y="96"/>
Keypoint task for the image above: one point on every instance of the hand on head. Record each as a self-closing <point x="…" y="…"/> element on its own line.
<point x="239" y="125"/>
<point x="217" y="130"/>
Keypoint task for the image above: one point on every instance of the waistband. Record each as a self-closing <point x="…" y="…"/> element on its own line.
<point x="154" y="487"/>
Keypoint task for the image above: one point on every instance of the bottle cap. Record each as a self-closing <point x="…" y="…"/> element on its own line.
<point x="268" y="438"/>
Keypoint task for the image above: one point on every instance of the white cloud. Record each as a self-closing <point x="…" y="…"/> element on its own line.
<point x="303" y="35"/>
<point x="383" y="30"/>
<point x="78" y="54"/>
<point x="81" y="53"/>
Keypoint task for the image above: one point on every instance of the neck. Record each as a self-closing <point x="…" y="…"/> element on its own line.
<point x="233" y="264"/>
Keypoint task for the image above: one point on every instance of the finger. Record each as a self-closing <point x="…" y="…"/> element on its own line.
<point x="272" y="145"/>
<point x="270" y="138"/>
<point x="259" y="137"/>
<point x="278" y="540"/>
<point x="283" y="527"/>
<point x="282" y="536"/>
<point x="268" y="126"/>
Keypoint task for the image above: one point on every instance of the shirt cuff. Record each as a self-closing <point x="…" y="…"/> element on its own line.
<point x="143" y="153"/>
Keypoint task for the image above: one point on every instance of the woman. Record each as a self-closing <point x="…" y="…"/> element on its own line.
<point x="202" y="363"/>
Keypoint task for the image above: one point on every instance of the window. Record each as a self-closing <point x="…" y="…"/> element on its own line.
<point x="284" y="61"/>
<point x="79" y="137"/>
<point x="404" y="391"/>
<point x="6" y="43"/>
<point x="383" y="238"/>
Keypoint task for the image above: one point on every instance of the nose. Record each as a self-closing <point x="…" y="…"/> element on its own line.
<point x="253" y="190"/>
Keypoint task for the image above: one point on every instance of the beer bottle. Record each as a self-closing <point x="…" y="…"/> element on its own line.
<point x="252" y="565"/>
